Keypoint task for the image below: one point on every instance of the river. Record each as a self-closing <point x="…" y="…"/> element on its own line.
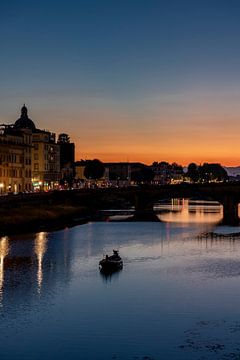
<point x="177" y="297"/>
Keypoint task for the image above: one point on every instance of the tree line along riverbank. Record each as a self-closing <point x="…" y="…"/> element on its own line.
<point x="50" y="211"/>
<point x="28" y="218"/>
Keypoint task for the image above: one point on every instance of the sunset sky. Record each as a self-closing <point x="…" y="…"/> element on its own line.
<point x="128" y="80"/>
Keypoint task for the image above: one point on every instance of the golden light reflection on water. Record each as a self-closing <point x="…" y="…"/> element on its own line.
<point x="40" y="247"/>
<point x="189" y="211"/>
<point x="4" y="250"/>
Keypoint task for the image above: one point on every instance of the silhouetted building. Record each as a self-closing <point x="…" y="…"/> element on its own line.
<point x="24" y="122"/>
<point x="122" y="171"/>
<point x="67" y="158"/>
<point x="166" y="173"/>
<point x="118" y="171"/>
<point x="44" y="159"/>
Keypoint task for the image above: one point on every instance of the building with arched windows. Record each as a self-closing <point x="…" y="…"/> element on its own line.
<point x="15" y="160"/>
<point x="45" y="155"/>
<point x="29" y="157"/>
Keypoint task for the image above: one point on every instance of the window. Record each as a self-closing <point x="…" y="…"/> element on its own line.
<point x="36" y="167"/>
<point x="36" y="156"/>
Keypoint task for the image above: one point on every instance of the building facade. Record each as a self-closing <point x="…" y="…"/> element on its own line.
<point x="45" y="160"/>
<point x="67" y="159"/>
<point x="15" y="160"/>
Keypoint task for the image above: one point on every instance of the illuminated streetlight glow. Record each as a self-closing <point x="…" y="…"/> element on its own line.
<point x="4" y="250"/>
<point x="40" y="247"/>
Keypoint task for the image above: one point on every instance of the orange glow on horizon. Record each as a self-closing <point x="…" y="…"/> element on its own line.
<point x="194" y="132"/>
<point x="187" y="127"/>
<point x="148" y="160"/>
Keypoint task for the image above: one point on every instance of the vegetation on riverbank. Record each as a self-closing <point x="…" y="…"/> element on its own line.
<point x="29" y="218"/>
<point x="53" y="210"/>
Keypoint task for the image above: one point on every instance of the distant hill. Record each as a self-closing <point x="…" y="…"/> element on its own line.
<point x="232" y="171"/>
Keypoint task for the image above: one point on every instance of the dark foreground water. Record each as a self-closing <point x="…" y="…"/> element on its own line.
<point x="178" y="296"/>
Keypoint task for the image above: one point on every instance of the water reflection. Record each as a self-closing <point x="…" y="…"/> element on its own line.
<point x="4" y="250"/>
<point x="107" y="277"/>
<point x="40" y="247"/>
<point x="171" y="278"/>
<point x="190" y="211"/>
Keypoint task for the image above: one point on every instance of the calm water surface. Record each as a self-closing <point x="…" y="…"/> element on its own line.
<point x="177" y="297"/>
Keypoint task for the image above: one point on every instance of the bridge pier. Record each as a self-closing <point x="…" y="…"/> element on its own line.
<point x="230" y="211"/>
<point x="144" y="209"/>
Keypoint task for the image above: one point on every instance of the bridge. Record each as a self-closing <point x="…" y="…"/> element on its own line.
<point x="142" y="198"/>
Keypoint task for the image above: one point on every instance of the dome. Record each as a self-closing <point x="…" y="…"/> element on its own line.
<point x="24" y="122"/>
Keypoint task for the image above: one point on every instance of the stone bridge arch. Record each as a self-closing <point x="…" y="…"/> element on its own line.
<point x="227" y="196"/>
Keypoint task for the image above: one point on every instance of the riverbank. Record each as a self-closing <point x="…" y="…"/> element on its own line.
<point x="28" y="218"/>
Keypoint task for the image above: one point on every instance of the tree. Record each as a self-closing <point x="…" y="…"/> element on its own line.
<point x="212" y="172"/>
<point x="144" y="175"/>
<point x="94" y="169"/>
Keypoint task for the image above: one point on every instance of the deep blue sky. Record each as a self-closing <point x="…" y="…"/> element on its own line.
<point x="109" y="71"/>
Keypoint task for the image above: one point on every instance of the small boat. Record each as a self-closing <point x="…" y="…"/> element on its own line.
<point x="111" y="263"/>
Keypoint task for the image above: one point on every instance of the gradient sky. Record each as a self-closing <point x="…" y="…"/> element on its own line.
<point x="128" y="80"/>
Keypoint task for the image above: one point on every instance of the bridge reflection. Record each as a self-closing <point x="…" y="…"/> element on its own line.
<point x="189" y="211"/>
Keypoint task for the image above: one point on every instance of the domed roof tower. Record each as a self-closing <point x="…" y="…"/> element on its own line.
<point x="24" y="122"/>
